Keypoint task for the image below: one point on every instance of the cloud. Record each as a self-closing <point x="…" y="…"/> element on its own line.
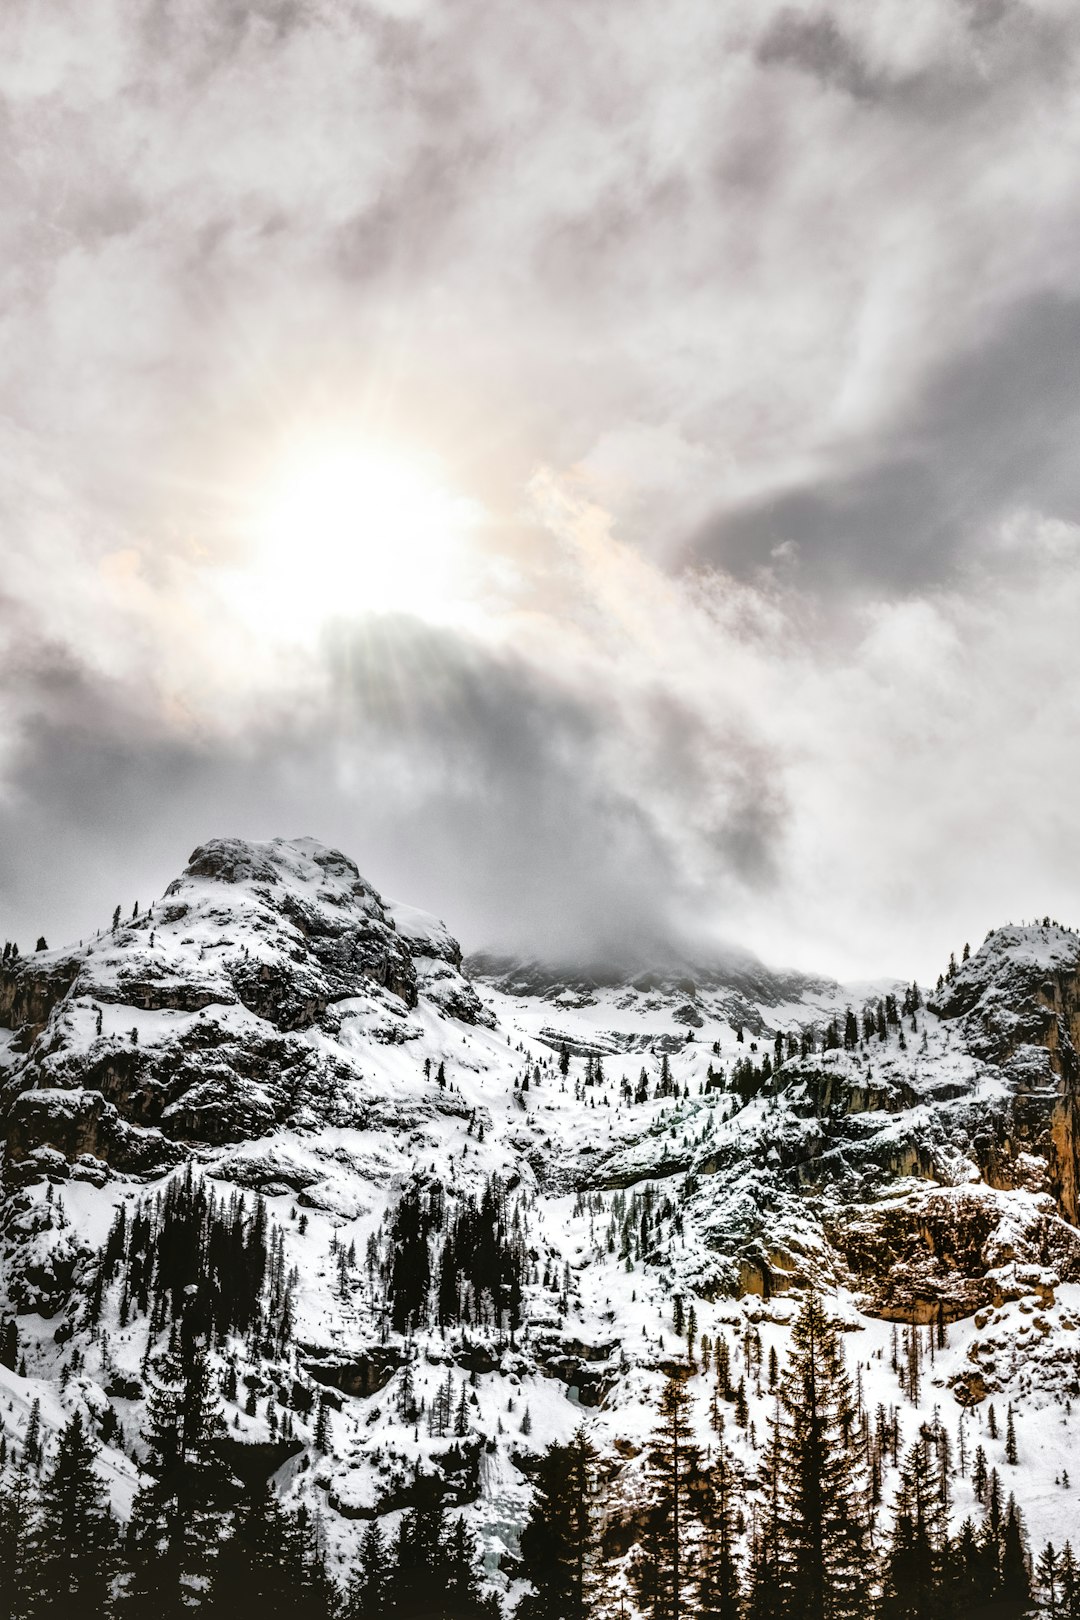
<point x="776" y="647"/>
<point x="991" y="432"/>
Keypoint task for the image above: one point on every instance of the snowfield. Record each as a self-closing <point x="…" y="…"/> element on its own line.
<point x="314" y="1052"/>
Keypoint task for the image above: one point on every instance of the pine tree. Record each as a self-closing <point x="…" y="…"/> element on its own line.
<point x="32" y="1437"/>
<point x="765" y="1600"/>
<point x="1014" y="1580"/>
<point x="250" y="1573"/>
<point x="17" y="1576"/>
<point x="1048" y="1573"/>
<point x="1070" y="1584"/>
<point x="175" y="1524"/>
<point x="972" y="1572"/>
<point x="662" y="1568"/>
<point x="75" y="1539"/>
<point x="558" y="1544"/>
<point x="367" y="1598"/>
<point x="719" y="1593"/>
<point x="418" y="1586"/>
<point x="464" y="1598"/>
<point x="820" y="1525"/>
<point x="916" y="1570"/>
<point x="306" y="1588"/>
<point x="979" y="1474"/>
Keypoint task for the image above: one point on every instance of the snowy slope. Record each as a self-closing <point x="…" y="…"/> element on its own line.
<point x="276" y="1023"/>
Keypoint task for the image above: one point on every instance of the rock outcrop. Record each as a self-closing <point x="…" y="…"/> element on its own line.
<point x="229" y="1008"/>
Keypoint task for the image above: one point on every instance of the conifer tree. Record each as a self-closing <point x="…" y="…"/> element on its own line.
<point x="250" y="1572"/>
<point x="558" y="1544"/>
<point x="75" y="1538"/>
<point x="662" y="1569"/>
<point x="308" y="1592"/>
<point x="17" y="1579"/>
<point x="764" y="1596"/>
<point x="819" y="1518"/>
<point x="32" y="1437"/>
<point x="1014" y="1582"/>
<point x="368" y="1595"/>
<point x="1070" y="1584"/>
<point x="434" y="1573"/>
<point x="917" y="1569"/>
<point x="464" y="1599"/>
<point x="719" y="1592"/>
<point x="175" y="1525"/>
<point x="1048" y="1573"/>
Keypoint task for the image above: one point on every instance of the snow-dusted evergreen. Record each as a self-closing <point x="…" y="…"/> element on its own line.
<point x="340" y="1270"/>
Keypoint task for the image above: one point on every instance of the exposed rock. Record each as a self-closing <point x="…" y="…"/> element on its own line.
<point x="203" y="1020"/>
<point x="361" y="1373"/>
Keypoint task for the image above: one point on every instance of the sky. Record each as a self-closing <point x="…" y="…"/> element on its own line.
<point x="610" y="468"/>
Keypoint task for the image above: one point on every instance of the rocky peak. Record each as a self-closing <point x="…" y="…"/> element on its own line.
<point x="299" y="866"/>
<point x="230" y="1006"/>
<point x="1015" y="968"/>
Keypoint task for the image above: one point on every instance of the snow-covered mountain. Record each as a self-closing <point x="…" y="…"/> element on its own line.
<point x="675" y="1136"/>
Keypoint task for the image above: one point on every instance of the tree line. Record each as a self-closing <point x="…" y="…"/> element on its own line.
<point x="684" y="1536"/>
<point x="198" y="1541"/>
<point x="695" y="1539"/>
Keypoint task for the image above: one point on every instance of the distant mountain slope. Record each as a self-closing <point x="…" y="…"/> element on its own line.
<point x="724" y="1135"/>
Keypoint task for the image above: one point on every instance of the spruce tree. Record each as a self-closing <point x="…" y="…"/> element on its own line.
<point x="307" y="1591"/>
<point x="1070" y="1584"/>
<point x="176" y="1519"/>
<point x="819" y="1529"/>
<point x="368" y="1595"/>
<point x="250" y="1573"/>
<point x="75" y="1540"/>
<point x="1048" y="1572"/>
<point x="972" y="1573"/>
<point x="419" y="1576"/>
<point x="765" y="1599"/>
<point x="1014" y="1581"/>
<point x="558" y="1544"/>
<point x="662" y="1569"/>
<point x="719" y="1592"/>
<point x="464" y="1599"/>
<point x="916" y="1576"/>
<point x="17" y="1576"/>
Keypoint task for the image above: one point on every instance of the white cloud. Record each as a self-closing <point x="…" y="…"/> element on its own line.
<point x="807" y="270"/>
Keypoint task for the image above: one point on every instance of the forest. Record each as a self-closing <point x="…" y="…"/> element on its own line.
<point x="811" y="1538"/>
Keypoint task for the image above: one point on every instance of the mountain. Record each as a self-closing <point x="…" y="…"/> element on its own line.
<point x="496" y="1188"/>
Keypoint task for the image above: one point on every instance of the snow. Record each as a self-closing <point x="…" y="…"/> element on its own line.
<point x="334" y="1158"/>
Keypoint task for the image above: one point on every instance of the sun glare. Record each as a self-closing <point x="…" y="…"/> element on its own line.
<point x="342" y="532"/>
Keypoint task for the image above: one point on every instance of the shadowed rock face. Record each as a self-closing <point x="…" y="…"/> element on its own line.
<point x="936" y="1172"/>
<point x="212" y="1018"/>
<point x="252" y="998"/>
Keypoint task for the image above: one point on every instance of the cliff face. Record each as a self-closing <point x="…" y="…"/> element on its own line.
<point x="318" y="1055"/>
<point x="1017" y="1002"/>
<point x="226" y="1010"/>
<point x="271" y="987"/>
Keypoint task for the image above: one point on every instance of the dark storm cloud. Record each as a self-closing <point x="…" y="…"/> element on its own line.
<point x="458" y="778"/>
<point x="1004" y="44"/>
<point x="817" y="45"/>
<point x="993" y="431"/>
<point x="788" y="289"/>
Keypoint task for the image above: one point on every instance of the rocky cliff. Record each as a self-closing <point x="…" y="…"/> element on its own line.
<point x="275" y="1028"/>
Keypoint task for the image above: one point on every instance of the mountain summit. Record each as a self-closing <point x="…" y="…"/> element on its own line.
<point x="507" y="1189"/>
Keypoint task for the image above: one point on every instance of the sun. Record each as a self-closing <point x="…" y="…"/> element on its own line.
<point x="341" y="531"/>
